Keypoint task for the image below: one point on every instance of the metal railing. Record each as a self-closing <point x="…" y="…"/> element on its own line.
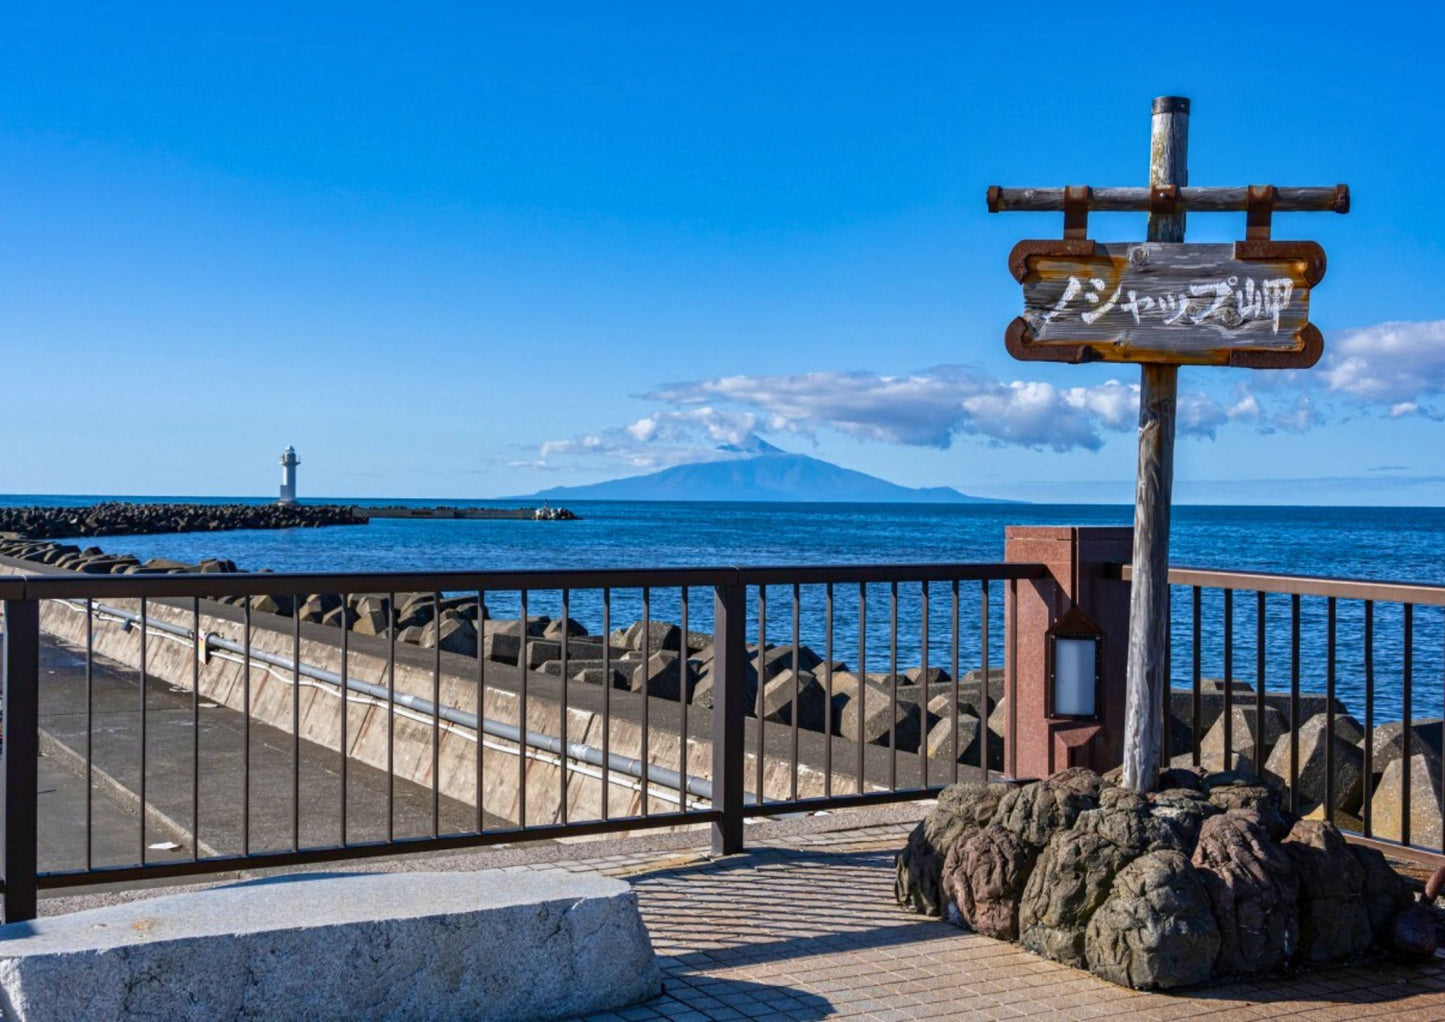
<point x="498" y="742"/>
<point x="1367" y="656"/>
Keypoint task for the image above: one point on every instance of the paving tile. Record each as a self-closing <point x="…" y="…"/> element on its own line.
<point x="757" y="936"/>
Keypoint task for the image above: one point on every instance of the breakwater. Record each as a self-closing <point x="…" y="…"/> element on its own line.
<point x="116" y="518"/>
<point x="544" y="513"/>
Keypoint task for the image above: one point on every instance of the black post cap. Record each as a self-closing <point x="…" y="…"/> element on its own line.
<point x="1171" y="105"/>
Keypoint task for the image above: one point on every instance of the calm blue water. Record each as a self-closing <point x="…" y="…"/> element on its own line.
<point x="1390" y="544"/>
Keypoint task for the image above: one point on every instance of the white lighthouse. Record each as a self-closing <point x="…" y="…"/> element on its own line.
<point x="289" y="461"/>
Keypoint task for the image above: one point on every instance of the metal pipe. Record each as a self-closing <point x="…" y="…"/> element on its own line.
<point x="668" y="778"/>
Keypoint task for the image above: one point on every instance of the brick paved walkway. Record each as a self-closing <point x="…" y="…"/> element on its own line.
<point x="808" y="930"/>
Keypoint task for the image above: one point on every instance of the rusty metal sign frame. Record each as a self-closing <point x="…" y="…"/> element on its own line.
<point x="1257" y="201"/>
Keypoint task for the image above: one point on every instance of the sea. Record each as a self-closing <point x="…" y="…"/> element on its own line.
<point x="1392" y="544"/>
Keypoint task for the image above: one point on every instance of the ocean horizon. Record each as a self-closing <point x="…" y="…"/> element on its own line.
<point x="1391" y="544"/>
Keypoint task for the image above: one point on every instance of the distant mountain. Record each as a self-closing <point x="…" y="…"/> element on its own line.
<point x="762" y="472"/>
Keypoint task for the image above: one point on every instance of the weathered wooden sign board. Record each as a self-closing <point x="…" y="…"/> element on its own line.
<point x="1242" y="304"/>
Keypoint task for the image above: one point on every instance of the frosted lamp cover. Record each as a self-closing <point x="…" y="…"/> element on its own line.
<point x="1074" y="681"/>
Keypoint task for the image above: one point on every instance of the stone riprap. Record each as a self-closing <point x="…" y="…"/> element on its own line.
<point x="117" y="518"/>
<point x="488" y="945"/>
<point x="1208" y="878"/>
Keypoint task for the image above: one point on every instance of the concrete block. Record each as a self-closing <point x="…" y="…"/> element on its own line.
<point x="493" y="945"/>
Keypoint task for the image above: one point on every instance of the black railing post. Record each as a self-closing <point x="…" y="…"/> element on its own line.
<point x="21" y="737"/>
<point x="729" y="708"/>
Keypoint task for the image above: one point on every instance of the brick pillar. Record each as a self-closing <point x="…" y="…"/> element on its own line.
<point x="1079" y="559"/>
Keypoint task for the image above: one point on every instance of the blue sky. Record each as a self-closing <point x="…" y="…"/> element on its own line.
<point x="471" y="250"/>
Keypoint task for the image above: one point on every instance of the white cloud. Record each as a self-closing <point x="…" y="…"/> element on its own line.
<point x="1396" y="368"/>
<point x="1395" y="364"/>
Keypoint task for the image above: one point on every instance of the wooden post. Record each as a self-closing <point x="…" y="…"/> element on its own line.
<point x="1148" y="674"/>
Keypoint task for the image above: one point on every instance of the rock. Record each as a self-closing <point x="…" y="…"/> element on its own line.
<point x="500" y="647"/>
<point x="1246" y="752"/>
<point x="283" y="604"/>
<point x="339" y="617"/>
<point x="357" y="946"/>
<point x="560" y="629"/>
<point x="1334" y="919"/>
<point x="812" y="701"/>
<point x="880" y="718"/>
<point x="372" y="615"/>
<point x="1387" y="801"/>
<point x="935" y="676"/>
<point x="1412" y="934"/>
<point x="1347" y="763"/>
<point x="1077" y="870"/>
<point x="660" y="676"/>
<point x="941" y="741"/>
<point x="1239" y="790"/>
<point x="1079" y="780"/>
<point x="1253" y="891"/>
<point x="1386" y="892"/>
<point x="918" y="869"/>
<point x="315" y="608"/>
<point x="536" y="626"/>
<point x="1035" y="811"/>
<point x="453" y="634"/>
<point x="1185" y="777"/>
<point x="1186" y="809"/>
<point x="661" y="635"/>
<point x="1389" y="743"/>
<point x="776" y="659"/>
<point x="986" y="871"/>
<point x="1156" y="930"/>
<point x="541" y="651"/>
<point x="593" y="674"/>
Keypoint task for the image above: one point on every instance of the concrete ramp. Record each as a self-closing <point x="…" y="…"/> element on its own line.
<point x="486" y="945"/>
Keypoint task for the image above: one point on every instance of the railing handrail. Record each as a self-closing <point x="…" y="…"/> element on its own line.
<point x="77" y="585"/>
<point x="1422" y="593"/>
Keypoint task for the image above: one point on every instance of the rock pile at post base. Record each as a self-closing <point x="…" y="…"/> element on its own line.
<point x="1208" y="878"/>
<point x="117" y="518"/>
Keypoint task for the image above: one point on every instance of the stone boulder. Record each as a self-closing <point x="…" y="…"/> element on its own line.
<point x="1035" y="811"/>
<point x="985" y="873"/>
<point x="450" y="633"/>
<point x="1077" y="869"/>
<point x="933" y="676"/>
<point x="1253" y="891"/>
<point x="1236" y="789"/>
<point x="941" y="743"/>
<point x="339" y="617"/>
<point x="1387" y="801"/>
<point x="1386" y="892"/>
<point x="1334" y="917"/>
<point x="919" y="867"/>
<point x="811" y="703"/>
<point x="1412" y="934"/>
<point x="1248" y="749"/>
<point x="873" y="713"/>
<point x="776" y="659"/>
<point x="1389" y="743"/>
<point x="564" y="629"/>
<point x="282" y="603"/>
<point x="659" y="635"/>
<point x="316" y="607"/>
<point x="1185" y="808"/>
<point x="660" y="676"/>
<point x="1156" y="930"/>
<point x="1347" y="764"/>
<point x="372" y="615"/>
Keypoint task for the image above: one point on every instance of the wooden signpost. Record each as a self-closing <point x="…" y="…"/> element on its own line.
<point x="1162" y="303"/>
